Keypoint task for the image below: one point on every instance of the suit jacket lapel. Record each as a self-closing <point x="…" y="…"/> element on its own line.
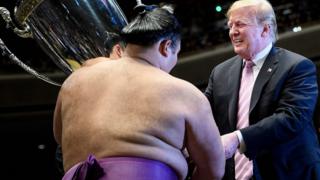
<point x="266" y="71"/>
<point x="233" y="86"/>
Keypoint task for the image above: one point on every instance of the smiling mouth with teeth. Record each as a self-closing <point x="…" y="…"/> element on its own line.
<point x="237" y="42"/>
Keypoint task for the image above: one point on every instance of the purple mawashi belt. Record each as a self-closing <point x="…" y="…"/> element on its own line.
<point x="120" y="168"/>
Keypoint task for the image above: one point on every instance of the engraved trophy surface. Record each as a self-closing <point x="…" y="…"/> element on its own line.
<point x="69" y="31"/>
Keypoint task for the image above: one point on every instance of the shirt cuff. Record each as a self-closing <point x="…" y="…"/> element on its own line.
<point x="242" y="146"/>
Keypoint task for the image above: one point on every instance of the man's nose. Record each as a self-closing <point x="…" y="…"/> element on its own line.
<point x="233" y="31"/>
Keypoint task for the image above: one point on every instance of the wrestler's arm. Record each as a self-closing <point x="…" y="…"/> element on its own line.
<point x="57" y="123"/>
<point x="203" y="141"/>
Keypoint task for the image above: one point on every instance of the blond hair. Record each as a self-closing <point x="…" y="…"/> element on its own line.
<point x="264" y="13"/>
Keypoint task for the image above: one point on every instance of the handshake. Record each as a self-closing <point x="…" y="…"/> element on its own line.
<point x="230" y="144"/>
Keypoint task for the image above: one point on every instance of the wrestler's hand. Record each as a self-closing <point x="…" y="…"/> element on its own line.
<point x="230" y="143"/>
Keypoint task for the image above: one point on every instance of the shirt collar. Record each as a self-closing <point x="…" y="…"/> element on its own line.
<point x="261" y="56"/>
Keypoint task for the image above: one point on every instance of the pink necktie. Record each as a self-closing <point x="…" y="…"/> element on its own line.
<point x="244" y="167"/>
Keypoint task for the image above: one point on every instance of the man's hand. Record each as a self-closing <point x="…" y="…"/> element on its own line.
<point x="230" y="143"/>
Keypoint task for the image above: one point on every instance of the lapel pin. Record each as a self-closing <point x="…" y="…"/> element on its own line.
<point x="269" y="70"/>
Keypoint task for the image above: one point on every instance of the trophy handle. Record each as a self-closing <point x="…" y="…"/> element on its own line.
<point x="24" y="33"/>
<point x="15" y="59"/>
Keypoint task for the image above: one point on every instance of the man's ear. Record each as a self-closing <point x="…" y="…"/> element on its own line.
<point x="116" y="52"/>
<point x="164" y="47"/>
<point x="266" y="30"/>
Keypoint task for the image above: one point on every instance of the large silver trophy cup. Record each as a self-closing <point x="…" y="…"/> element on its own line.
<point x="69" y="31"/>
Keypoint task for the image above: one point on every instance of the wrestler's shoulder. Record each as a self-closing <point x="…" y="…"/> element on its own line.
<point x="192" y="98"/>
<point x="94" y="61"/>
<point x="184" y="86"/>
<point x="75" y="79"/>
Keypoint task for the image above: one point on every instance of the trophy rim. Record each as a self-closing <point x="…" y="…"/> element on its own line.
<point x="25" y="9"/>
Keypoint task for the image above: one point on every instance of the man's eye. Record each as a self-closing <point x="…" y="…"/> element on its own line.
<point x="241" y="25"/>
<point x="236" y="25"/>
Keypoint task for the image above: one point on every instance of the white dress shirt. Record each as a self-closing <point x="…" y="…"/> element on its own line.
<point x="258" y="62"/>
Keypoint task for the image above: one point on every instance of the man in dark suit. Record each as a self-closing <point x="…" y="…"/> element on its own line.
<point x="263" y="100"/>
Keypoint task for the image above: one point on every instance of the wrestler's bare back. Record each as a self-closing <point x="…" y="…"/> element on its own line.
<point x="124" y="108"/>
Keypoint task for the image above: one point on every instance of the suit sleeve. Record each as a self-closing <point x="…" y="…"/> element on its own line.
<point x="209" y="90"/>
<point x="293" y="112"/>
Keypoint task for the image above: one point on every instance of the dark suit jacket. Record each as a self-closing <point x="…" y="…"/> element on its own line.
<point x="281" y="139"/>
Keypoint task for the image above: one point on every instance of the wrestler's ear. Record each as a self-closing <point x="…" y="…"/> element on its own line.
<point x="164" y="47"/>
<point x="116" y="52"/>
